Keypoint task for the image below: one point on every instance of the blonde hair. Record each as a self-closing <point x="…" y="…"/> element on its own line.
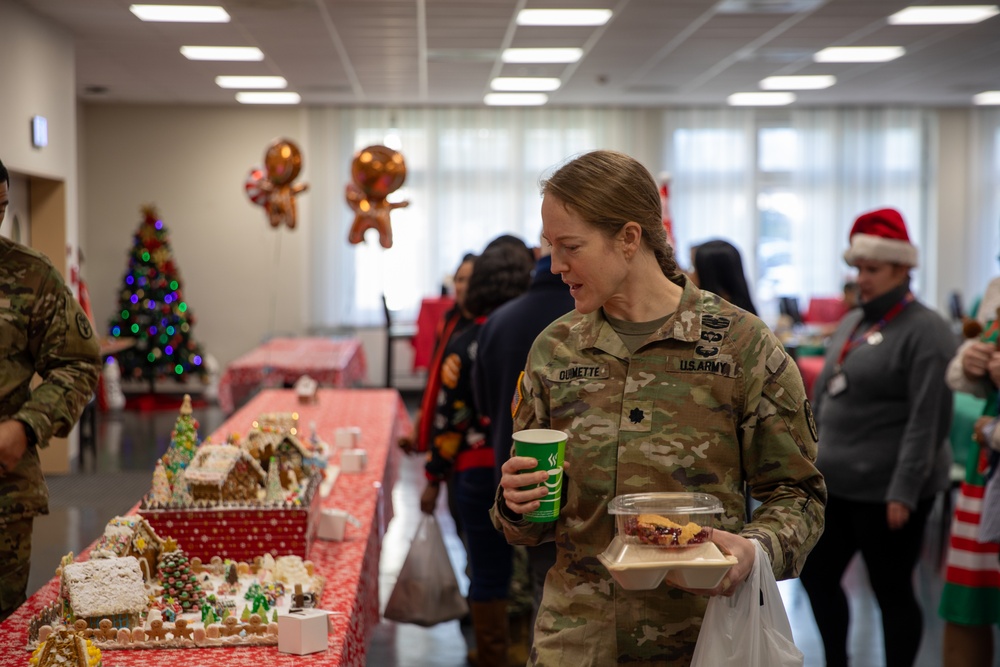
<point x="608" y="189"/>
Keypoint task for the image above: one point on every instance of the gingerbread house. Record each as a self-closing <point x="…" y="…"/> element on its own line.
<point x="66" y="648"/>
<point x="130" y="536"/>
<point x="110" y="588"/>
<point x="220" y="473"/>
<point x="291" y="453"/>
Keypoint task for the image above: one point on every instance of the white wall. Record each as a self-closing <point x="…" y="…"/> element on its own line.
<point x="38" y="78"/>
<point x="243" y="279"/>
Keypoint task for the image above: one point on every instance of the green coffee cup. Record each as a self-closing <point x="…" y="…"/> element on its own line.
<point x="548" y="447"/>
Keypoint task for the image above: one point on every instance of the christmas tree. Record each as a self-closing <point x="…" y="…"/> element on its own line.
<point x="183" y="442"/>
<point x="178" y="581"/>
<point x="152" y="310"/>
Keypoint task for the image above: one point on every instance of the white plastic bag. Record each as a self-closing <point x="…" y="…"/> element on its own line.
<point x="749" y="629"/>
<point x="426" y="592"/>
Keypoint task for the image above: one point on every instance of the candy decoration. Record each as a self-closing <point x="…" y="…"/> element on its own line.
<point x="257" y="194"/>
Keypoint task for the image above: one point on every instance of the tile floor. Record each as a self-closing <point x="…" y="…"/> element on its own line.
<point x="130" y="442"/>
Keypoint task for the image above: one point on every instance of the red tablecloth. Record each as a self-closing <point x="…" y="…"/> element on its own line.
<point x="810" y="368"/>
<point x="432" y="311"/>
<point x="280" y="361"/>
<point x="350" y="567"/>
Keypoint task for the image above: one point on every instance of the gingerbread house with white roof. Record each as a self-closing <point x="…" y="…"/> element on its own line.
<point x="111" y="588"/>
<point x="130" y="536"/>
<point x="220" y="473"/>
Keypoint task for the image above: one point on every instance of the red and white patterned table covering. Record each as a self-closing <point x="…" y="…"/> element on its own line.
<point x="350" y="567"/>
<point x="280" y="361"/>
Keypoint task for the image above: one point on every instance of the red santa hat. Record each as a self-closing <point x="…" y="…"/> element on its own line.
<point x="881" y="236"/>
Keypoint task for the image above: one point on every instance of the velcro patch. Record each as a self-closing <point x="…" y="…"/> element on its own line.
<point x="83" y="326"/>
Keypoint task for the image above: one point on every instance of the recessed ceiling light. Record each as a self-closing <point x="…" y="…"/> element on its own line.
<point x="250" y="97"/>
<point x="222" y="53"/>
<point x="525" y="83"/>
<point x="569" y="55"/>
<point x="251" y="82"/>
<point x="760" y="99"/>
<point x="987" y="97"/>
<point x="814" y="82"/>
<point x="563" y="16"/>
<point x="858" y="54"/>
<point x="515" y="99"/>
<point x="941" y="15"/>
<point x="181" y="13"/>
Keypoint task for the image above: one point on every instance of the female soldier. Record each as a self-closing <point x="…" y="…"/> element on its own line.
<point x="660" y="388"/>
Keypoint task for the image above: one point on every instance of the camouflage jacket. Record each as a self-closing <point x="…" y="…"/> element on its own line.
<point x="711" y="401"/>
<point x="43" y="330"/>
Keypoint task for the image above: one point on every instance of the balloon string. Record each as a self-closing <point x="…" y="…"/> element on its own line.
<point x="274" y="293"/>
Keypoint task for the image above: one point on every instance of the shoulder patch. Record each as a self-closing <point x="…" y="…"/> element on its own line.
<point x="515" y="403"/>
<point x="811" y="420"/>
<point x="83" y="326"/>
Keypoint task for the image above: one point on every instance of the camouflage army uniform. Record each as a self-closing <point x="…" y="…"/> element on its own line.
<point x="43" y="330"/>
<point x="710" y="401"/>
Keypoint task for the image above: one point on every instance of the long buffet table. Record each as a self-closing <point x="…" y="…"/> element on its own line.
<point x="350" y="567"/>
<point x="281" y="361"/>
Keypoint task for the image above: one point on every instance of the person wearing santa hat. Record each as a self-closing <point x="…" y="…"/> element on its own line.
<point x="883" y="412"/>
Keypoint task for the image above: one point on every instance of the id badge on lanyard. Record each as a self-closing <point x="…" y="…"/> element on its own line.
<point x="837" y="384"/>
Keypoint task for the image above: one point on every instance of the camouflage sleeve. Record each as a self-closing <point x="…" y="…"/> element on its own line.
<point x="67" y="358"/>
<point x="529" y="409"/>
<point x="779" y="454"/>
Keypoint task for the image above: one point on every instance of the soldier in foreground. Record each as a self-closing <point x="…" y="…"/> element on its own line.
<point x="660" y="387"/>
<point x="43" y="330"/>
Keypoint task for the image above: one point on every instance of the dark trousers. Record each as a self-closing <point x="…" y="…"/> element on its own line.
<point x="15" y="564"/>
<point x="490" y="557"/>
<point x="890" y="557"/>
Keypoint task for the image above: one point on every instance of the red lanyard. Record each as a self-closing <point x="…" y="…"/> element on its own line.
<point x="854" y="341"/>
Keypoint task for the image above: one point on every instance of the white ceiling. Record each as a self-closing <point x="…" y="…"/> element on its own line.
<point x="445" y="52"/>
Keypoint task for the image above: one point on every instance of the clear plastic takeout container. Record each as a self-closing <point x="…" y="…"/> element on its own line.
<point x="665" y="536"/>
<point x="665" y="519"/>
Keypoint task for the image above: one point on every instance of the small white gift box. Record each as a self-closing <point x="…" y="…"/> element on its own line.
<point x="331" y="525"/>
<point x="303" y="631"/>
<point x="353" y="460"/>
<point x="348" y="437"/>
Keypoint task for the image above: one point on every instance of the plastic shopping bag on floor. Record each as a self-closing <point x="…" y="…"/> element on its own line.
<point x="426" y="592"/>
<point x="749" y="629"/>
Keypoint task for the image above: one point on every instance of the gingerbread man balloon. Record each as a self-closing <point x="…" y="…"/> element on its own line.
<point x="275" y="191"/>
<point x="376" y="171"/>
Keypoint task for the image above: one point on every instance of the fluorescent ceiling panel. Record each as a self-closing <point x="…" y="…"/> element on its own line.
<point x="563" y="17"/>
<point x="943" y="15"/>
<point x="566" y="55"/>
<point x="987" y="97"/>
<point x="814" y="82"/>
<point x="180" y="13"/>
<point x="231" y="53"/>
<point x="858" y="54"/>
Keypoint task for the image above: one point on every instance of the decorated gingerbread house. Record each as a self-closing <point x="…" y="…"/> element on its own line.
<point x="290" y="452"/>
<point x="110" y="588"/>
<point x="220" y="473"/>
<point x="130" y="536"/>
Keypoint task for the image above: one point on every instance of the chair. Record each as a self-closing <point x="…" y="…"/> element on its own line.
<point x="394" y="331"/>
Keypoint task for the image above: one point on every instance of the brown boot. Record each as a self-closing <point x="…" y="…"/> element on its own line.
<point x="520" y="640"/>
<point x="489" y="621"/>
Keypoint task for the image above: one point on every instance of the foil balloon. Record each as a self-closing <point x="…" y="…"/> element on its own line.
<point x="282" y="164"/>
<point x="376" y="172"/>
